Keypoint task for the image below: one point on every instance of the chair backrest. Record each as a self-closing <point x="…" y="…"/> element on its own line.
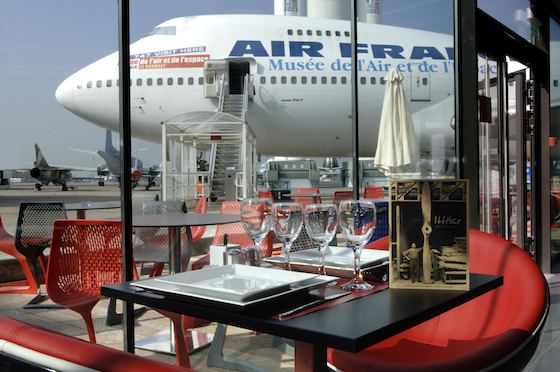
<point x="342" y="195"/>
<point x="373" y="192"/>
<point x="35" y="225"/>
<point x="267" y="194"/>
<point x="160" y="207"/>
<point x="85" y="254"/>
<point x="304" y="200"/>
<point x="236" y="232"/>
<point x="201" y="207"/>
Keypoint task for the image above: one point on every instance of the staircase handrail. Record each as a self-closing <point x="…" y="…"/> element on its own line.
<point x="222" y="95"/>
<point x="246" y="89"/>
<point x="212" y="165"/>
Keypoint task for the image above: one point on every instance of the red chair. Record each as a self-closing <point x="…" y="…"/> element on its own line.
<point x="304" y="200"/>
<point x="266" y="194"/>
<point x="34" y="346"/>
<point x="373" y="192"/>
<point x="84" y="255"/>
<point x="201" y="207"/>
<point x="236" y="235"/>
<point x="496" y="330"/>
<point x="342" y="195"/>
<point x="27" y="286"/>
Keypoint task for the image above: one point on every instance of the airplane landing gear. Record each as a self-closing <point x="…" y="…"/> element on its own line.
<point x="38" y="186"/>
<point x="64" y="187"/>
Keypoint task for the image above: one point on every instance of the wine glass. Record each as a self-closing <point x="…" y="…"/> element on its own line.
<point x="287" y="220"/>
<point x="255" y="218"/>
<point x="357" y="221"/>
<point x="320" y="222"/>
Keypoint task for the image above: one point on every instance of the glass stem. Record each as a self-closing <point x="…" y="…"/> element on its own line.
<point x="357" y="274"/>
<point x="322" y="249"/>
<point x="287" y="248"/>
<point x="258" y="251"/>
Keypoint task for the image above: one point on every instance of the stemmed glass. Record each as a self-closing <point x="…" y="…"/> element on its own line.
<point x="287" y="220"/>
<point x="357" y="220"/>
<point x="320" y="222"/>
<point x="255" y="218"/>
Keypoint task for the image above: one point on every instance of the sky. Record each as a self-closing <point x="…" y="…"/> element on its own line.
<point x="44" y="41"/>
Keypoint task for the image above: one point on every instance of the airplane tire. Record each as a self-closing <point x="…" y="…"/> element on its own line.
<point x="64" y="188"/>
<point x="101" y="183"/>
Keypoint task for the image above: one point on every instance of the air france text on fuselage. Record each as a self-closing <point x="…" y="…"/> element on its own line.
<point x="381" y="56"/>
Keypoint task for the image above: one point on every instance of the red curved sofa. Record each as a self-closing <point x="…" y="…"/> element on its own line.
<point x="491" y="331"/>
<point x="41" y="347"/>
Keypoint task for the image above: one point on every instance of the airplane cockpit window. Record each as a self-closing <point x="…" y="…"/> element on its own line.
<point x="293" y="80"/>
<point x="190" y="81"/>
<point x="170" y="81"/>
<point x="283" y="80"/>
<point x="109" y="83"/>
<point x="180" y="81"/>
<point x="89" y="84"/>
<point x="290" y="32"/>
<point x="159" y="81"/>
<point x="138" y="82"/>
<point x="164" y="30"/>
<point x="149" y="81"/>
<point x="299" y="32"/>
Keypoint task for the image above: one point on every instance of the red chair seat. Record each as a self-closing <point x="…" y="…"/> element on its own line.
<point x="478" y="334"/>
<point x="76" y="351"/>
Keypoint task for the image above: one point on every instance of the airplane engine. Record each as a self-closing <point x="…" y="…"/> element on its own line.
<point x="35" y="172"/>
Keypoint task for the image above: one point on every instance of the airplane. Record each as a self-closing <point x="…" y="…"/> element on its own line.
<point x="45" y="174"/>
<point x="300" y="104"/>
<point x="112" y="166"/>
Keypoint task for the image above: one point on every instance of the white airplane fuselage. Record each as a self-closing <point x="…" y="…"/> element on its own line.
<point x="302" y="89"/>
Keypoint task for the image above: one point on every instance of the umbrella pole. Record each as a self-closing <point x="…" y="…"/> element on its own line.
<point x="354" y="85"/>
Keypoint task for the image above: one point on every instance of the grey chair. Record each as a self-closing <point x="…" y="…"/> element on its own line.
<point x="33" y="235"/>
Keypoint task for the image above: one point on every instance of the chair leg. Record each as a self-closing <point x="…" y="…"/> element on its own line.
<point x="157" y="269"/>
<point x="26" y="286"/>
<point x="181" y="351"/>
<point x="89" y="326"/>
<point x="37" y="301"/>
<point x="114" y="318"/>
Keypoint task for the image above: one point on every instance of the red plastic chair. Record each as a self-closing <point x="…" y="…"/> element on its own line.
<point x="198" y="231"/>
<point x="27" y="286"/>
<point x="304" y="200"/>
<point x="342" y="195"/>
<point x="373" y="192"/>
<point x="236" y="235"/>
<point x="84" y="255"/>
<point x="495" y="330"/>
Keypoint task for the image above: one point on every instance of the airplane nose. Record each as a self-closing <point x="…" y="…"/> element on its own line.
<point x="65" y="94"/>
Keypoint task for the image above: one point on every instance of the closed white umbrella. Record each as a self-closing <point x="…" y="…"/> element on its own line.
<point x="397" y="149"/>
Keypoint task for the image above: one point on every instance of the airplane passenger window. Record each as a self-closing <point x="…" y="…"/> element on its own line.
<point x="328" y="33"/>
<point x="343" y="80"/>
<point x="159" y="81"/>
<point x="79" y="86"/>
<point x="138" y="82"/>
<point x="555" y="83"/>
<point x="337" y="33"/>
<point x="333" y="80"/>
<point x="309" y="33"/>
<point x="425" y="81"/>
<point x="304" y="79"/>
<point x="299" y="32"/>
<point x="273" y="80"/>
<point x="290" y="32"/>
<point x="169" y="81"/>
<point x="363" y="80"/>
<point x="313" y="79"/>
<point x="319" y="33"/>
<point x="89" y="84"/>
<point x="190" y="81"/>
<point x="293" y="80"/>
<point x="346" y="33"/>
<point x="263" y="79"/>
<point x="109" y="83"/>
<point x="372" y="81"/>
<point x="180" y="81"/>
<point x="117" y="82"/>
<point x="200" y="81"/>
<point x="323" y="80"/>
<point x="98" y="83"/>
<point x="382" y="81"/>
<point x="149" y="81"/>
<point x="283" y="80"/>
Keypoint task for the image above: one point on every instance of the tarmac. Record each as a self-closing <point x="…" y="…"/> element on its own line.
<point x="240" y="343"/>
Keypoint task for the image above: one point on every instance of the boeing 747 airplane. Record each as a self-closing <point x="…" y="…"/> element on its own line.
<point x="300" y="80"/>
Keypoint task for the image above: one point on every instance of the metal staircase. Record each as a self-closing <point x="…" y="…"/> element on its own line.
<point x="228" y="155"/>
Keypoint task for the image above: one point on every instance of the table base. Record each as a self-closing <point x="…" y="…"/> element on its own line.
<point x="161" y="342"/>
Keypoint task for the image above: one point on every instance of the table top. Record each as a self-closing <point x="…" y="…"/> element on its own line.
<point x="351" y="326"/>
<point x="182" y="219"/>
<point x="86" y="205"/>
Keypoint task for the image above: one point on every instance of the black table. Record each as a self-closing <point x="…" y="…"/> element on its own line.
<point x="351" y="326"/>
<point x="82" y="207"/>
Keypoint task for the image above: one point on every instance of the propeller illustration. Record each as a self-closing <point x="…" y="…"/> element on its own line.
<point x="426" y="231"/>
